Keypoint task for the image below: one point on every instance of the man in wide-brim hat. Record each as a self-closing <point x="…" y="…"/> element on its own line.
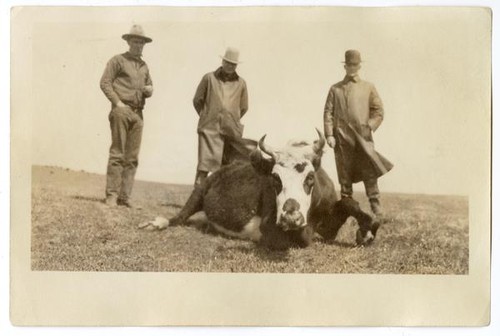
<point x="126" y="82"/>
<point x="221" y="100"/>
<point x="354" y="110"/>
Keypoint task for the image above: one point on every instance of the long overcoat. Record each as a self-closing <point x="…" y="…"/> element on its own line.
<point x="354" y="110"/>
<point x="221" y="104"/>
<point x="221" y="100"/>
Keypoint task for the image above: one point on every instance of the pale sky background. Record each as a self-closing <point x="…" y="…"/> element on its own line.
<point x="430" y="67"/>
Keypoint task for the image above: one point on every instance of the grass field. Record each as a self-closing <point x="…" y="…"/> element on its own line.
<point x="73" y="230"/>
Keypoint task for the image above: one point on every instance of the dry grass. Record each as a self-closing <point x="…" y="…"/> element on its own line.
<point x="72" y="230"/>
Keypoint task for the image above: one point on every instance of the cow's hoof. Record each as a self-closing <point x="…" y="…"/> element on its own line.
<point x="364" y="239"/>
<point x="159" y="223"/>
<point x="375" y="226"/>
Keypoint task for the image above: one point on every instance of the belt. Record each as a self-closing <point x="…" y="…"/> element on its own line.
<point x="135" y="109"/>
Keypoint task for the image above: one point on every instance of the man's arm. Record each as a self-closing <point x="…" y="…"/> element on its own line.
<point x="328" y="113"/>
<point x="328" y="118"/>
<point x="376" y="110"/>
<point x="149" y="81"/>
<point x="148" y="87"/>
<point x="244" y="100"/>
<point x="109" y="75"/>
<point x="201" y="95"/>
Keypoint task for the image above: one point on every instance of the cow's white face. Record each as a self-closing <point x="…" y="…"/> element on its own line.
<point x="295" y="174"/>
<point x="293" y="170"/>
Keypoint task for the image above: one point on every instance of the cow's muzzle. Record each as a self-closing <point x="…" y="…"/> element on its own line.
<point x="291" y="218"/>
<point x="291" y="221"/>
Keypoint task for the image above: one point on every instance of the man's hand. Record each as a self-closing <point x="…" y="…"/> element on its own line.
<point x="148" y="90"/>
<point x="330" y="141"/>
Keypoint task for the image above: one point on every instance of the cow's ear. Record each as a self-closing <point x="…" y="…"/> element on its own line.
<point x="309" y="183"/>
<point x="316" y="162"/>
<point x="262" y="165"/>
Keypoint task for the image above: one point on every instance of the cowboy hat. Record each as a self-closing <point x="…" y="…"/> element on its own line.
<point x="136" y="31"/>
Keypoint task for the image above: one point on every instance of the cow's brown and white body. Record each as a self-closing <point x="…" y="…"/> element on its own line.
<point x="278" y="201"/>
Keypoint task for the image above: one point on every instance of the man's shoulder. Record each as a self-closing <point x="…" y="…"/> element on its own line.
<point x="212" y="75"/>
<point x="209" y="75"/>
<point x="337" y="85"/>
<point x="120" y="56"/>
<point x="126" y="56"/>
<point x="366" y="83"/>
<point x="117" y="58"/>
<point x="206" y="78"/>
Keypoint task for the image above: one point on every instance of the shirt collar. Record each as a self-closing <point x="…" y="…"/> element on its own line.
<point x="354" y="78"/>
<point x="221" y="75"/>
<point x="130" y="56"/>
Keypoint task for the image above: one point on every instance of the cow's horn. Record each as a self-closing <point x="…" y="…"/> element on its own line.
<point x="318" y="146"/>
<point x="266" y="149"/>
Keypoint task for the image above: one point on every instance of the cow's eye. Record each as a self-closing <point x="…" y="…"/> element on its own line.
<point x="300" y="167"/>
<point x="278" y="186"/>
<point x="309" y="183"/>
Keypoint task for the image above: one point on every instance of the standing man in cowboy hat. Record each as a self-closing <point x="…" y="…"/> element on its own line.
<point x="221" y="100"/>
<point x="126" y="82"/>
<point x="354" y="110"/>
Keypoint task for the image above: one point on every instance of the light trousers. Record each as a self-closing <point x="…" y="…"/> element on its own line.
<point x="126" y="133"/>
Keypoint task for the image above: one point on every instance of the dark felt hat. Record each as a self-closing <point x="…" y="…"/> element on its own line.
<point x="352" y="57"/>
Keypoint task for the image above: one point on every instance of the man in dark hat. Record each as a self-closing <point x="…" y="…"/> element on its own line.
<point x="126" y="82"/>
<point x="354" y="110"/>
<point x="221" y="100"/>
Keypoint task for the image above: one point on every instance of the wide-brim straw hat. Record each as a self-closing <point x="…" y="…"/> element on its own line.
<point x="232" y="56"/>
<point x="137" y="31"/>
<point x="352" y="57"/>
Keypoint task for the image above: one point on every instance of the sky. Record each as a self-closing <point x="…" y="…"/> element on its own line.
<point x="431" y="68"/>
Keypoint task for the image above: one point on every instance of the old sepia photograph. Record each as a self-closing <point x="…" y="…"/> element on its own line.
<point x="183" y="157"/>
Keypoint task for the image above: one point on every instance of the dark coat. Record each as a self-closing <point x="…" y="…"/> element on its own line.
<point x="356" y="157"/>
<point x="221" y="104"/>
<point x="220" y="100"/>
<point x="353" y="110"/>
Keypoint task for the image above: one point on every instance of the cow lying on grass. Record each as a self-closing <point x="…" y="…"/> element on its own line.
<point x="279" y="201"/>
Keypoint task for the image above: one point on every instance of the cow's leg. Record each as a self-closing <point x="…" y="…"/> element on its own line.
<point x="368" y="225"/>
<point x="332" y="221"/>
<point x="273" y="237"/>
<point x="302" y="237"/>
<point x="198" y="218"/>
<point x="200" y="221"/>
<point x="192" y="206"/>
<point x="275" y="240"/>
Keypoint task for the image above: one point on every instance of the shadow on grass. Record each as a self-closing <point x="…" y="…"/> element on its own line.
<point x="249" y="248"/>
<point x="87" y="198"/>
<point x="263" y="253"/>
<point x="339" y="244"/>
<point x="270" y="255"/>
<point x="173" y="205"/>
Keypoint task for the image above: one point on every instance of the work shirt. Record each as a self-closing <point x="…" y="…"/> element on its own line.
<point x="221" y="101"/>
<point x="124" y="78"/>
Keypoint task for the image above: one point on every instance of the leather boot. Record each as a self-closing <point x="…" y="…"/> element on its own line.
<point x="111" y="201"/>
<point x="376" y="207"/>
